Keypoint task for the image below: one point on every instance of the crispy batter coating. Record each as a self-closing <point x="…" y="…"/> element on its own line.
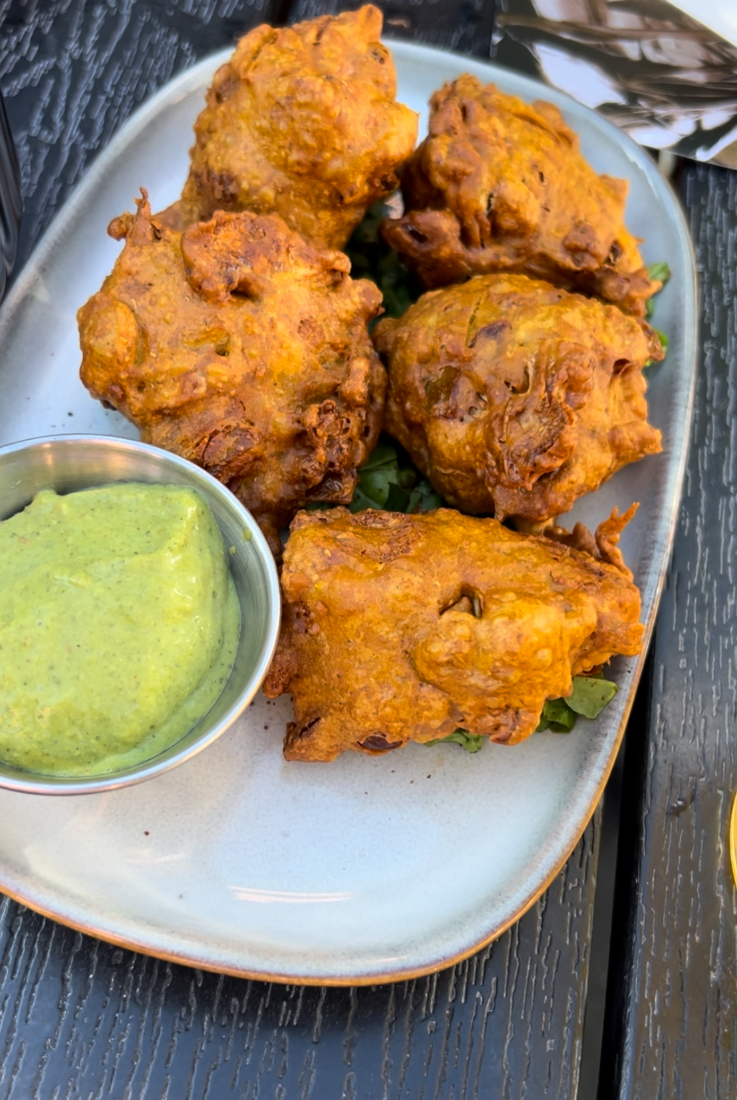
<point x="515" y="397"/>
<point x="407" y="627"/>
<point x="303" y="121"/>
<point x="240" y="347"/>
<point x="500" y="185"/>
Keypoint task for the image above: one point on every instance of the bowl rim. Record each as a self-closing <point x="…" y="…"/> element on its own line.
<point x="34" y="783"/>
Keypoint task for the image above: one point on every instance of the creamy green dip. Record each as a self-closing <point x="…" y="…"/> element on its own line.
<point x="119" y="624"/>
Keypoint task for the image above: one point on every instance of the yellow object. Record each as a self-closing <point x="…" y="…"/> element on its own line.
<point x="733" y="837"/>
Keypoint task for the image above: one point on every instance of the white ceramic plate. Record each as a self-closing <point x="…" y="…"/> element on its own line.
<point x="369" y="868"/>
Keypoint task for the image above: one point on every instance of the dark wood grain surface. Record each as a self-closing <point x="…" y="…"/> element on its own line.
<point x="72" y="71"/>
<point x="672" y="1024"/>
<point x="81" y="1019"/>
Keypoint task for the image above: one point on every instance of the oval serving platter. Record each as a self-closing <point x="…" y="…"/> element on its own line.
<point x="367" y="869"/>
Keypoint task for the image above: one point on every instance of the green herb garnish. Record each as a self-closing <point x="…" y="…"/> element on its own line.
<point x="589" y="697"/>
<point x="661" y="273"/>
<point x="471" y="742"/>
<point x="376" y="477"/>
<point x="389" y="481"/>
<point x="662" y="337"/>
<point x="372" y="259"/>
<point x="556" y="716"/>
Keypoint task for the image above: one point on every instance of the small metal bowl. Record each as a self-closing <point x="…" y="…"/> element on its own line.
<point x="68" y="463"/>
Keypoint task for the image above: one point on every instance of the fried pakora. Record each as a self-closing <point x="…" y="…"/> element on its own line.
<point x="239" y="346"/>
<point x="501" y="185"/>
<point x="399" y="627"/>
<point x="302" y="121"/>
<point x="515" y="397"/>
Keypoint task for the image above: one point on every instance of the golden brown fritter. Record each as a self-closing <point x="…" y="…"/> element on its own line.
<point x="399" y="628"/>
<point x="515" y="397"/>
<point x="240" y="347"/>
<point x="303" y="121"/>
<point x="500" y="185"/>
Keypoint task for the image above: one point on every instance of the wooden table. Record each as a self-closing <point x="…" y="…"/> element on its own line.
<point x="82" y="1019"/>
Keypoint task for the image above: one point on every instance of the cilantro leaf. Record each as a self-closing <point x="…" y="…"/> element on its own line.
<point x="423" y="497"/>
<point x="471" y="742"/>
<point x="590" y="695"/>
<point x="376" y="476"/>
<point x="659" y="271"/>
<point x="397" y="499"/>
<point x="556" y="716"/>
<point x="662" y="337"/>
<point x="372" y="259"/>
<point x="389" y="481"/>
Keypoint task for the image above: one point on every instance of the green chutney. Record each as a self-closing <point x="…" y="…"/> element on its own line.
<point x="119" y="625"/>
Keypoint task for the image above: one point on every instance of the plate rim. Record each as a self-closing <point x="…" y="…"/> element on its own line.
<point x="191" y="80"/>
